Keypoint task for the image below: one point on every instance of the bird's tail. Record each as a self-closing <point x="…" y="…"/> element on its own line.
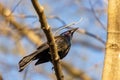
<point x="26" y="60"/>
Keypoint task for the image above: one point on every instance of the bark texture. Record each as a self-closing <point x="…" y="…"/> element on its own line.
<point x="112" y="58"/>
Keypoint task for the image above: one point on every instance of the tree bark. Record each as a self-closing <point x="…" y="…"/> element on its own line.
<point x="50" y="38"/>
<point x="111" y="69"/>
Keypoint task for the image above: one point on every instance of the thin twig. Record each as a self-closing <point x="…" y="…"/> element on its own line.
<point x="82" y="31"/>
<point x="102" y="25"/>
<point x="57" y="18"/>
<point x="71" y="24"/>
<point x="25" y="74"/>
<point x="51" y="41"/>
<point x="16" y="6"/>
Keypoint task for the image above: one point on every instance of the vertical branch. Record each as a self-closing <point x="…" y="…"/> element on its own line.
<point x="112" y="58"/>
<point x="51" y="41"/>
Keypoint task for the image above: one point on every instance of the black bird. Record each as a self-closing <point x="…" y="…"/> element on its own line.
<point x="63" y="42"/>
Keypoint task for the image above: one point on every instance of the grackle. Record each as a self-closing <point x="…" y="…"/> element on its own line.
<point x="42" y="55"/>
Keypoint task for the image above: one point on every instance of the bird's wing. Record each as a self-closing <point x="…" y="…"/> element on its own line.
<point x="43" y="47"/>
<point x="27" y="59"/>
<point x="41" y="50"/>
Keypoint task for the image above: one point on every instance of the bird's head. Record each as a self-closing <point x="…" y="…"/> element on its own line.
<point x="68" y="34"/>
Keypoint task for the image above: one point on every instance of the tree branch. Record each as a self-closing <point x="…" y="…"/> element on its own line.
<point x="111" y="70"/>
<point x="75" y="72"/>
<point x="51" y="41"/>
<point x="6" y="13"/>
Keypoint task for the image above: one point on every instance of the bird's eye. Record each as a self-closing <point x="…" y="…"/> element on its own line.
<point x="67" y="33"/>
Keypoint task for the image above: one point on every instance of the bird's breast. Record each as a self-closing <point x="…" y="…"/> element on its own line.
<point x="63" y="46"/>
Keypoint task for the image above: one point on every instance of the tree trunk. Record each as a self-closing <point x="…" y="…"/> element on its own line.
<point x="111" y="69"/>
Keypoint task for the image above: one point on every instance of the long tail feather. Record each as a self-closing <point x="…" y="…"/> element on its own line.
<point x="26" y="60"/>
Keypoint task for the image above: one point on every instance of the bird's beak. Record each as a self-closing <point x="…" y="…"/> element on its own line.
<point x="73" y="30"/>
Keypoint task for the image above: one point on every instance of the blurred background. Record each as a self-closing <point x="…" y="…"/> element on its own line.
<point x="20" y="35"/>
